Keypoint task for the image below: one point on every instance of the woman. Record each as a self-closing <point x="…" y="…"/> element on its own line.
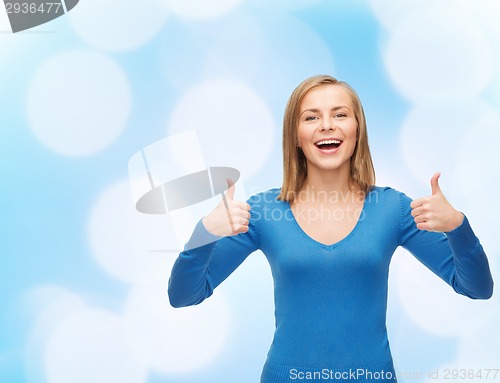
<point x="329" y="234"/>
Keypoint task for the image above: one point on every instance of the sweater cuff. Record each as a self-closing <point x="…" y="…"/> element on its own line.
<point x="462" y="238"/>
<point x="201" y="243"/>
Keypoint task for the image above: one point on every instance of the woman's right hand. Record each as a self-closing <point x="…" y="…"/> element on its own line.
<point x="230" y="219"/>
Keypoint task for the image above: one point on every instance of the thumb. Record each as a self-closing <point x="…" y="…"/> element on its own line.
<point x="436" y="189"/>
<point x="230" y="188"/>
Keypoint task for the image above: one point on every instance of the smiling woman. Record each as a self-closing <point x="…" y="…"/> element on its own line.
<point x="319" y="105"/>
<point x="331" y="128"/>
<point x="329" y="256"/>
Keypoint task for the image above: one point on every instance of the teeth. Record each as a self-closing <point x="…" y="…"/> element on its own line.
<point x="328" y="142"/>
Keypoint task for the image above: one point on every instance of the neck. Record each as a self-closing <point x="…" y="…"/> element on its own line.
<point x="320" y="183"/>
<point x="328" y="180"/>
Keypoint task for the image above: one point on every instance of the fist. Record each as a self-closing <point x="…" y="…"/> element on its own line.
<point x="435" y="213"/>
<point x="230" y="217"/>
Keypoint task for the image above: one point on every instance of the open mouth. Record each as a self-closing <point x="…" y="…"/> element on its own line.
<point x="328" y="144"/>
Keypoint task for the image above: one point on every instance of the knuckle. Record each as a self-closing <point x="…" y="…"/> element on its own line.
<point x="242" y="228"/>
<point x="243" y="205"/>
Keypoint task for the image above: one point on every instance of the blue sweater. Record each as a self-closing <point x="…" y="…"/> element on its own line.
<point x="330" y="301"/>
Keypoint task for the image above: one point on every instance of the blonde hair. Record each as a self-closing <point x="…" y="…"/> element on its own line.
<point x="294" y="162"/>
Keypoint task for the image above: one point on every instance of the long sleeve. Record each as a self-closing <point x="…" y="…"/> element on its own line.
<point x="457" y="256"/>
<point x="208" y="259"/>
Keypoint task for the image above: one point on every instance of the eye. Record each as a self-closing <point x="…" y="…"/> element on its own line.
<point x="340" y="115"/>
<point x="310" y="118"/>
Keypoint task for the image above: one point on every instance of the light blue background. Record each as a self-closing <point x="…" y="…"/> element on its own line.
<point x="429" y="104"/>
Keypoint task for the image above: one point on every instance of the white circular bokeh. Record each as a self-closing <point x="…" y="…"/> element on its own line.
<point x="78" y="102"/>
<point x="232" y="48"/>
<point x="449" y="59"/>
<point x="284" y="5"/>
<point x="200" y="9"/>
<point x="177" y="340"/>
<point x="392" y="13"/>
<point x="250" y="293"/>
<point x="118" y="25"/>
<point x="432" y="304"/>
<point x="431" y="137"/>
<point x="476" y="359"/>
<point x="235" y="48"/>
<point x="293" y="52"/>
<point x="495" y="90"/>
<point x="486" y="12"/>
<point x="233" y="124"/>
<point x="94" y="346"/>
<point x="477" y="177"/>
<point x="48" y="306"/>
<point x="477" y="160"/>
<point x="480" y="348"/>
<point x="123" y="241"/>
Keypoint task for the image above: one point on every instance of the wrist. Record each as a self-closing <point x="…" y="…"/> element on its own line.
<point x="208" y="226"/>
<point x="206" y="223"/>
<point x="458" y="219"/>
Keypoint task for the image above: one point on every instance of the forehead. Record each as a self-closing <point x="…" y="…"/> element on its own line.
<point x="328" y="95"/>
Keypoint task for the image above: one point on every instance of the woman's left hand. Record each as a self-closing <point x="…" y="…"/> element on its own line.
<point x="435" y="213"/>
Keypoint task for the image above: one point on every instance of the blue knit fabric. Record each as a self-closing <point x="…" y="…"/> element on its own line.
<point x="330" y="301"/>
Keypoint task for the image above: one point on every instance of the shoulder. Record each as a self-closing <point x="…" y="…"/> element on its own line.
<point x="388" y="196"/>
<point x="386" y="192"/>
<point x="391" y="207"/>
<point x="265" y="204"/>
<point x="265" y="197"/>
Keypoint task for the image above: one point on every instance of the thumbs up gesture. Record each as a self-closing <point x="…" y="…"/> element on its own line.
<point x="230" y="217"/>
<point x="435" y="213"/>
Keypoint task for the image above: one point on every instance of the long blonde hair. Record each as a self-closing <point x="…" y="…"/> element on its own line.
<point x="294" y="162"/>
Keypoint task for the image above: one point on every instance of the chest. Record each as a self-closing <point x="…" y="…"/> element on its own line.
<point x="348" y="245"/>
<point x="327" y="224"/>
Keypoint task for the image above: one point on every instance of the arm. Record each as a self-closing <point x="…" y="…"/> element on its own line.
<point x="207" y="260"/>
<point x="455" y="256"/>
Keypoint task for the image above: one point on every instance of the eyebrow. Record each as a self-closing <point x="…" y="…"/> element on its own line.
<point x="334" y="109"/>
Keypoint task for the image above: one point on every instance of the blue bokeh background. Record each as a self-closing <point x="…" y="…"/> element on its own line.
<point x="119" y="76"/>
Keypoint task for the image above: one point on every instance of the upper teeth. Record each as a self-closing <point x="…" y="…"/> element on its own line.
<point x="328" y="142"/>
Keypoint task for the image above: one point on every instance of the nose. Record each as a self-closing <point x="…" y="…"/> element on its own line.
<point x="326" y="124"/>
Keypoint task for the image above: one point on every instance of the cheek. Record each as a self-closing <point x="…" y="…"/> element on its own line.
<point x="351" y="131"/>
<point x="302" y="134"/>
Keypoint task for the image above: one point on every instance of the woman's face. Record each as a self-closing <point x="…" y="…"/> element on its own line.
<point x="327" y="127"/>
